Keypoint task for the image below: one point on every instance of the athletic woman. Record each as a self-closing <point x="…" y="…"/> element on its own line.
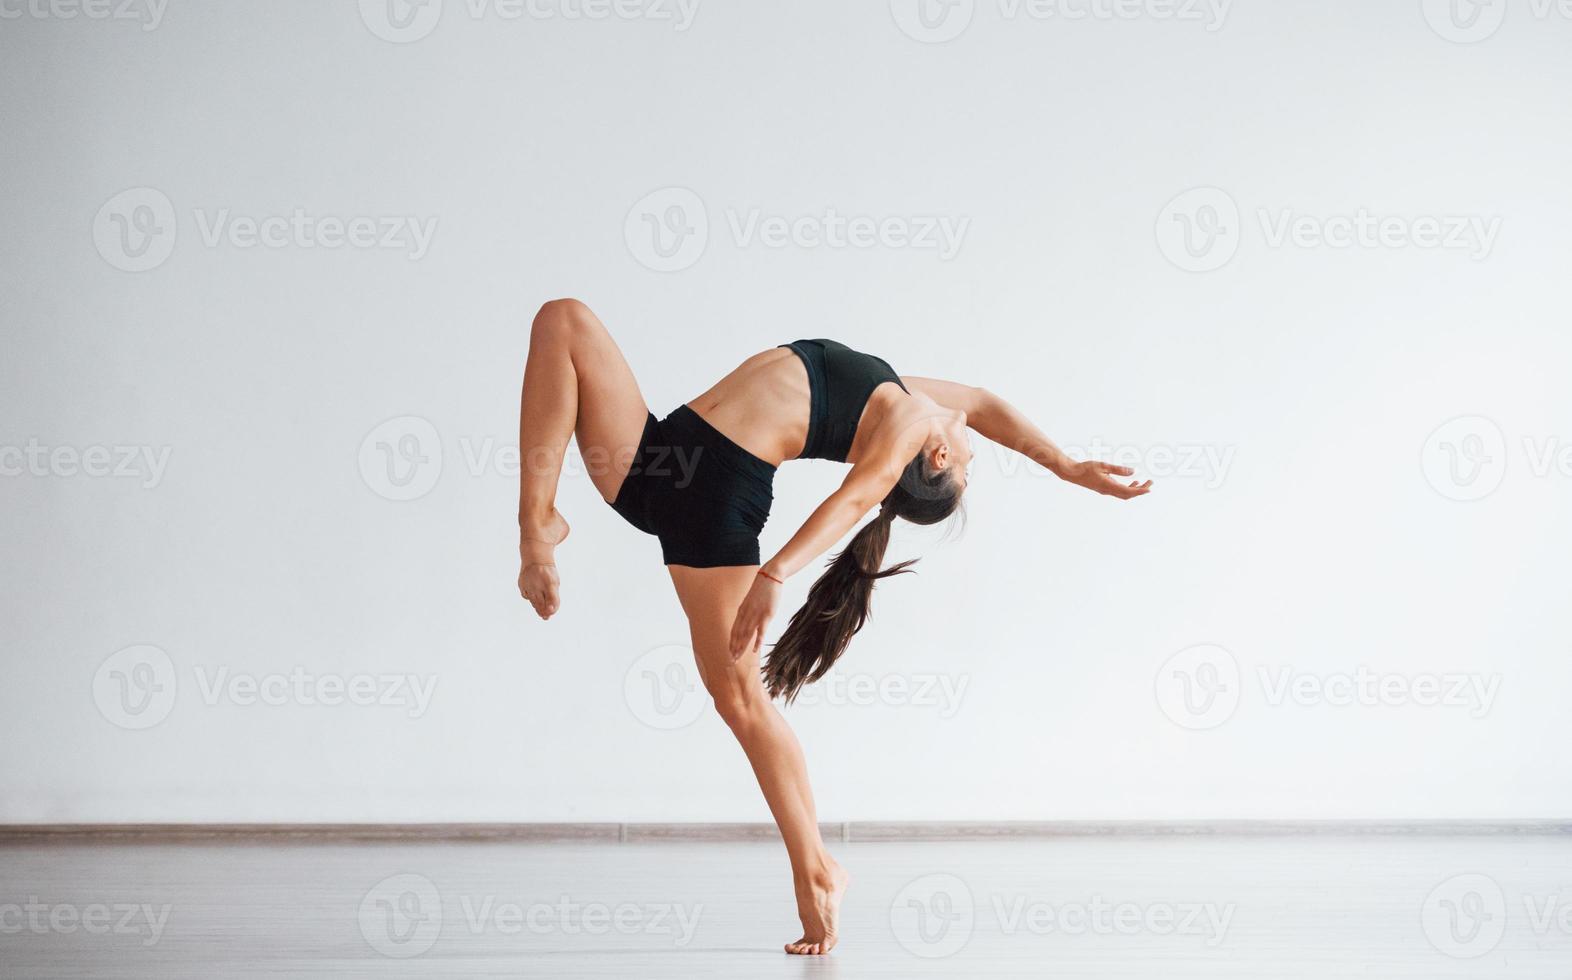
<point x="700" y="481"/>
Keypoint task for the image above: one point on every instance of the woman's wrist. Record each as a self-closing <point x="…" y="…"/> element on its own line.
<point x="772" y="574"/>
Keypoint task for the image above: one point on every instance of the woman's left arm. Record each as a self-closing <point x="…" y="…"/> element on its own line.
<point x="998" y="421"/>
<point x="865" y="487"/>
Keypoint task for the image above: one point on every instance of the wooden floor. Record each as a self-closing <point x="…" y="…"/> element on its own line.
<point x="1132" y="907"/>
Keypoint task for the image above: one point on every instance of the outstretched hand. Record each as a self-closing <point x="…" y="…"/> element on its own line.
<point x="1103" y="478"/>
<point x="753" y="616"/>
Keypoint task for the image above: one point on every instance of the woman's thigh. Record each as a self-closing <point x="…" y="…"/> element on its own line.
<point x="611" y="408"/>
<point x="710" y="597"/>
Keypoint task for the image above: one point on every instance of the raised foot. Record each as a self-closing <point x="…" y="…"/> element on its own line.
<point x="538" y="582"/>
<point x="819" y="908"/>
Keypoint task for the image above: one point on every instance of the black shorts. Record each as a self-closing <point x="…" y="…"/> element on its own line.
<point x="705" y="497"/>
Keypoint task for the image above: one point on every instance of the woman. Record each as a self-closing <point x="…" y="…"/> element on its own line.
<point x="700" y="480"/>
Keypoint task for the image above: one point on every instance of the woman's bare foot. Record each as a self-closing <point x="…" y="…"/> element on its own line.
<point x="819" y="908"/>
<point x="538" y="580"/>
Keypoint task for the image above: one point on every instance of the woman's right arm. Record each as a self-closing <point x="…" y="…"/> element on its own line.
<point x="998" y="421"/>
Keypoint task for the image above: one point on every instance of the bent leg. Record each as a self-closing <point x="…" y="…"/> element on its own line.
<point x="710" y="597"/>
<point x="575" y="381"/>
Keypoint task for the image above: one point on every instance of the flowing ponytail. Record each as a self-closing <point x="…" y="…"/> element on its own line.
<point x="838" y="604"/>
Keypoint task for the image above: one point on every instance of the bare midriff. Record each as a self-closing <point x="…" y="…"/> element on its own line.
<point x="762" y="406"/>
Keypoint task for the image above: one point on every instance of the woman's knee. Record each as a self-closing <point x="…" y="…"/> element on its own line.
<point x="560" y="319"/>
<point x="741" y="707"/>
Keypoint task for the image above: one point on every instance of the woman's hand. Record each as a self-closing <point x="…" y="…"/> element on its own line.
<point x="1100" y="477"/>
<point x="755" y="613"/>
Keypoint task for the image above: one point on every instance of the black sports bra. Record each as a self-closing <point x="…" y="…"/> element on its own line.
<point x="840" y="380"/>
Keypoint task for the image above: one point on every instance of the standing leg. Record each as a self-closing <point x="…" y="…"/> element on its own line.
<point x="575" y="381"/>
<point x="710" y="597"/>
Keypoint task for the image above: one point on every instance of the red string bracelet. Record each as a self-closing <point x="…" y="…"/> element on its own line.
<point x="771" y="577"/>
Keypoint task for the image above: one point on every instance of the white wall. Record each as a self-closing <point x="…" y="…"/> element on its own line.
<point x="1324" y="543"/>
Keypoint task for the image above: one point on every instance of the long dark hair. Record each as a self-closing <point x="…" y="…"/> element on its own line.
<point x="838" y="603"/>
